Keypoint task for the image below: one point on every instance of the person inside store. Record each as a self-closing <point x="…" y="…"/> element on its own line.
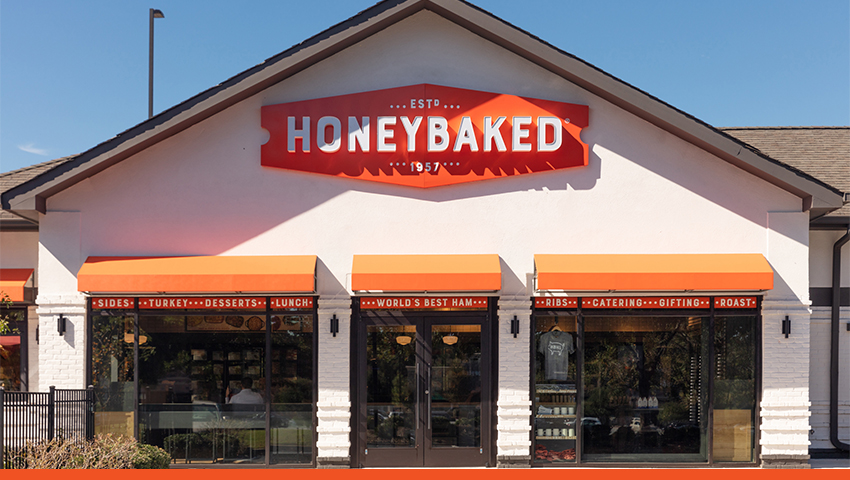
<point x="246" y="396"/>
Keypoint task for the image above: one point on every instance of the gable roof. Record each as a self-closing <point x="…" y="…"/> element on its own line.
<point x="823" y="152"/>
<point x="14" y="178"/>
<point x="29" y="198"/>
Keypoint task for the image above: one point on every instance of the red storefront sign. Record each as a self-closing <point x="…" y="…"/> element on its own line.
<point x="555" y="302"/>
<point x="203" y="303"/>
<point x="646" y="302"/>
<point x="735" y="302"/>
<point x="292" y="302"/>
<point x="112" y="302"/>
<point x="424" y="135"/>
<point x="401" y="303"/>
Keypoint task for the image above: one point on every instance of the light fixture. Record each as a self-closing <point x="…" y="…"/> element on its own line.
<point x="403" y="340"/>
<point x="786" y="326"/>
<point x="515" y="326"/>
<point x="60" y="324"/>
<point x="334" y="325"/>
<point x="129" y="335"/>
<point x="451" y="338"/>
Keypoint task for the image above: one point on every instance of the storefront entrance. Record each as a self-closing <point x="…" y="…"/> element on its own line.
<point x="424" y="389"/>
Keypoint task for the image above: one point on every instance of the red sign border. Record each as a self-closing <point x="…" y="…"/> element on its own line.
<point x="423" y="303"/>
<point x="724" y="302"/>
<point x="127" y="303"/>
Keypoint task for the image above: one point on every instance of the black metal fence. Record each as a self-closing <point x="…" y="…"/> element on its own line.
<point x="32" y="417"/>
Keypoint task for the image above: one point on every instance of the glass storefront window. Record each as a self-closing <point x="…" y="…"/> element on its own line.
<point x="645" y="389"/>
<point x="734" y="388"/>
<point x="13" y="350"/>
<point x="391" y="380"/>
<point x="292" y="389"/>
<point x="647" y="380"/>
<point x="112" y="374"/>
<point x="208" y="389"/>
<point x="201" y="387"/>
<point x="555" y="403"/>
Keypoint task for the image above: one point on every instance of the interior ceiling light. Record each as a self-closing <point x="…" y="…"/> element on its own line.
<point x="450" y="339"/>
<point x="403" y="340"/>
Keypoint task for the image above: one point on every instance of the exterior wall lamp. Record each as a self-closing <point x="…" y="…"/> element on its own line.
<point x="60" y="324"/>
<point x="334" y="325"/>
<point x="786" y="326"/>
<point x="515" y="326"/>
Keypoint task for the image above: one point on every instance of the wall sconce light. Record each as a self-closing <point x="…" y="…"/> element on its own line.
<point x="60" y="324"/>
<point x="515" y="326"/>
<point x="786" y="326"/>
<point x="334" y="325"/>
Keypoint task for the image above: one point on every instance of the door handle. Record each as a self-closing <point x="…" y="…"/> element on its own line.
<point x="416" y="395"/>
<point x="428" y="395"/>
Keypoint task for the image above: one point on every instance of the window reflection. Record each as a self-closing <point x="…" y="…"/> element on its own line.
<point x="112" y="374"/>
<point x="734" y="388"/>
<point x="645" y="389"/>
<point x="203" y="390"/>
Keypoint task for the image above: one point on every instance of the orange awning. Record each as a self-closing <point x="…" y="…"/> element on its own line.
<point x="426" y="273"/>
<point x="707" y="272"/>
<point x="13" y="281"/>
<point x="198" y="274"/>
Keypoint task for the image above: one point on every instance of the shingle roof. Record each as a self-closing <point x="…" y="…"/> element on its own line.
<point x="14" y="178"/>
<point x="21" y="175"/>
<point x="822" y="152"/>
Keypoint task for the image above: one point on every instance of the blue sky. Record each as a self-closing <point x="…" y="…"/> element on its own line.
<point x="74" y="73"/>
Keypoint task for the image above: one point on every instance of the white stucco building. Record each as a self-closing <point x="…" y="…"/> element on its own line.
<point x="610" y="292"/>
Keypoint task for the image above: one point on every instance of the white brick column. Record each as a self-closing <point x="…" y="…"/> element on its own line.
<point x="785" y="401"/>
<point x="61" y="359"/>
<point x="334" y="377"/>
<point x="513" y="445"/>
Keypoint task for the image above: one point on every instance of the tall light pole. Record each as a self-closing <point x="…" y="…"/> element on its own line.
<point x="154" y="13"/>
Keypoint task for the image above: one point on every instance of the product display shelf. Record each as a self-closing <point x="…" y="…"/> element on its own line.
<point x="554" y="423"/>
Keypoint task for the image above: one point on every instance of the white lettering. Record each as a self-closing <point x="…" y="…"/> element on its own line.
<point x="303" y="133"/>
<point x="385" y="134"/>
<point x="466" y="136"/>
<point x="519" y="133"/>
<point x="542" y="124"/>
<point x="491" y="132"/>
<point x="356" y="134"/>
<point x="321" y="134"/>
<point x="411" y="129"/>
<point x="438" y="128"/>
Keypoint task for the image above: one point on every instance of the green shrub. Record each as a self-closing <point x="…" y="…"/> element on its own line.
<point x="150" y="457"/>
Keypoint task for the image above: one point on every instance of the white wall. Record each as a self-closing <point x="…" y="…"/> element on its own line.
<point x="20" y="250"/>
<point x="820" y="258"/>
<point x="203" y="192"/>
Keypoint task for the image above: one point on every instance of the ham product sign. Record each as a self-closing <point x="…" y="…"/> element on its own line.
<point x="424" y="135"/>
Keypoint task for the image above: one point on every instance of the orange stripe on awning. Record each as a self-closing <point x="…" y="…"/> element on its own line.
<point x="426" y="273"/>
<point x="198" y="274"/>
<point x="13" y="281"/>
<point x="653" y="272"/>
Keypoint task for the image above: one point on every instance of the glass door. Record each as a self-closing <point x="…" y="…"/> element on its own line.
<point x="424" y="394"/>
